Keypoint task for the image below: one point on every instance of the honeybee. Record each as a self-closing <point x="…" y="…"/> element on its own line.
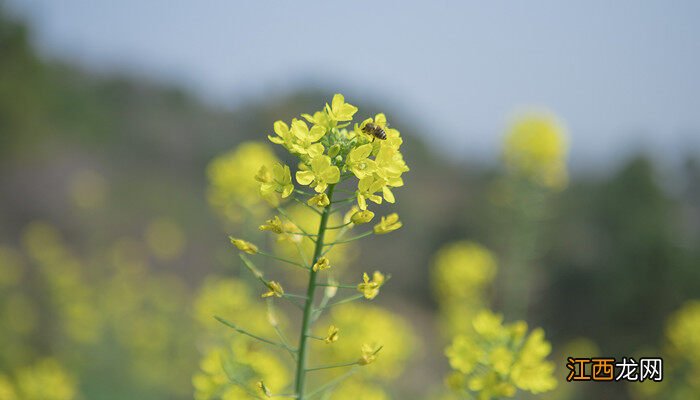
<point x="374" y="130"/>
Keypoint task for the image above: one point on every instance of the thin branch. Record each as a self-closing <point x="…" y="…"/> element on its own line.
<point x="350" y="364"/>
<point x="352" y="239"/>
<point x="339" y="302"/>
<point x="244" y="332"/>
<point x="302" y="266"/>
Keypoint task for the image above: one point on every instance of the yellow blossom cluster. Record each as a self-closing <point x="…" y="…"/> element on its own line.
<point x="535" y="148"/>
<point x="496" y="360"/>
<point x="44" y="380"/>
<point x="461" y="273"/>
<point x="233" y="189"/>
<point x="313" y="229"/>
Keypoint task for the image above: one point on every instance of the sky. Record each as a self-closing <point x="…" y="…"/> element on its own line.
<point x="622" y="75"/>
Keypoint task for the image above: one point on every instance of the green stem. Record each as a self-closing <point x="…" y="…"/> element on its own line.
<point x="309" y="305"/>
<point x="348" y="364"/>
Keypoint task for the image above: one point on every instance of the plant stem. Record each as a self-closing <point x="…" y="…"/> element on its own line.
<point x="309" y="304"/>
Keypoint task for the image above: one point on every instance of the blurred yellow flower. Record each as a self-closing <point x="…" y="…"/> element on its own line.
<point x="496" y="359"/>
<point x="682" y="332"/>
<point x="10" y="266"/>
<point x="362" y="217"/>
<point x="332" y="335"/>
<point x="535" y="147"/>
<point x="244" y="246"/>
<point x="233" y="190"/>
<point x="321" y="264"/>
<point x="319" y="200"/>
<point x="369" y="354"/>
<point x="370" y="288"/>
<point x="234" y="371"/>
<point x="357" y="388"/>
<point x="275" y="289"/>
<point x="273" y="225"/>
<point x="45" y="380"/>
<point x="461" y="269"/>
<point x="388" y="224"/>
<point x="265" y="391"/>
<point x="363" y="323"/>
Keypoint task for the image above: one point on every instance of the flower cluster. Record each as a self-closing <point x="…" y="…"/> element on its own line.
<point x="461" y="273"/>
<point x="311" y="226"/>
<point x="45" y="380"/>
<point x="233" y="184"/>
<point x="496" y="359"/>
<point x="328" y="150"/>
<point x="535" y="148"/>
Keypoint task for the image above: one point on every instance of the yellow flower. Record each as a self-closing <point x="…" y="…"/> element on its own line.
<point x="362" y="217"/>
<point x="369" y="354"/>
<point x="370" y="288"/>
<point x="275" y="290"/>
<point x="363" y="322"/>
<point x="535" y="147"/>
<point x="322" y="174"/>
<point x="46" y="380"/>
<point x="273" y="225"/>
<point x="265" y="391"/>
<point x="320" y="118"/>
<point x="388" y="224"/>
<point x="332" y="335"/>
<point x="279" y="181"/>
<point x="531" y="371"/>
<point x="339" y="110"/>
<point x="358" y="162"/>
<point x="461" y="270"/>
<point x="232" y="188"/>
<point x="284" y="135"/>
<point x="390" y="165"/>
<point x="321" y="264"/>
<point x="319" y="200"/>
<point x="495" y="359"/>
<point x="244" y="246"/>
<point x="366" y="189"/>
<point x="305" y="139"/>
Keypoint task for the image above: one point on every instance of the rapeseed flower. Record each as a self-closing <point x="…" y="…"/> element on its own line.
<point x="322" y="264"/>
<point x="388" y="224"/>
<point x="495" y="360"/>
<point x="244" y="246"/>
<point x="275" y="289"/>
<point x="370" y="288"/>
<point x="320" y="175"/>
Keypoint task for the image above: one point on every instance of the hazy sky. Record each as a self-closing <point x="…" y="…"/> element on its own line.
<point x="622" y="74"/>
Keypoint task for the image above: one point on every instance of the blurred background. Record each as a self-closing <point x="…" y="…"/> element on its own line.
<point x="557" y="143"/>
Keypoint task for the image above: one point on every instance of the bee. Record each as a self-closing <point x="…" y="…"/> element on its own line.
<point x="374" y="130"/>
